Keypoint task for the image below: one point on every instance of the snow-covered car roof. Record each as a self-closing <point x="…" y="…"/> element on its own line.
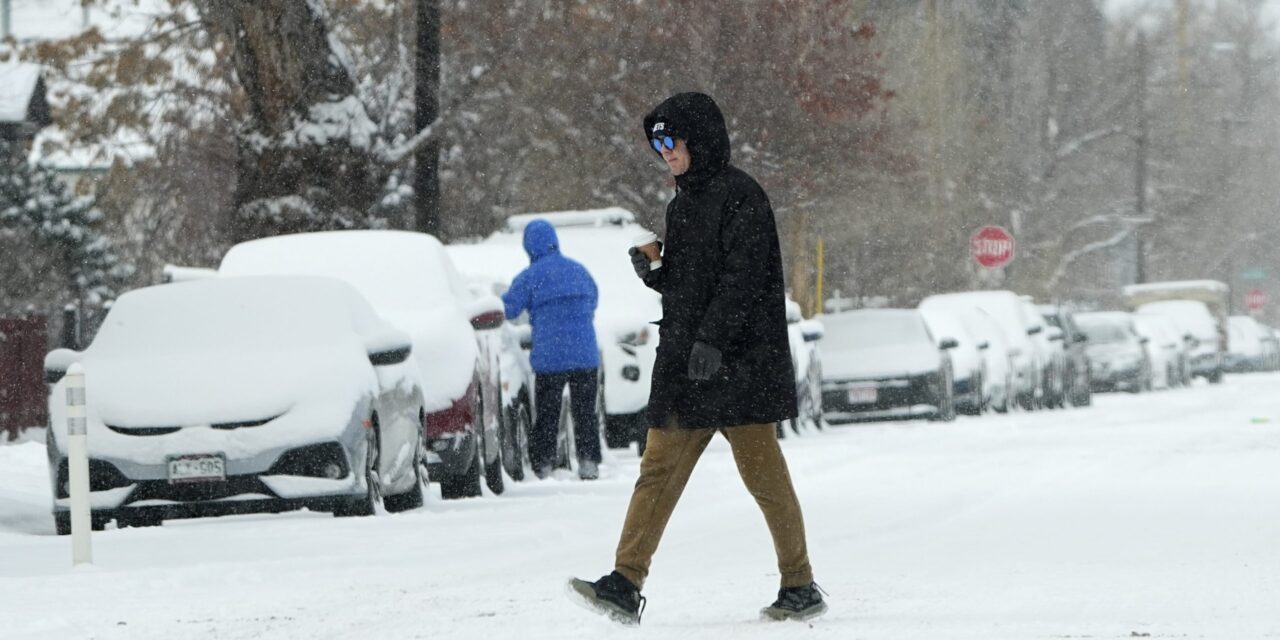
<point x="602" y="250"/>
<point x="609" y="216"/>
<point x="1190" y="315"/>
<point x="1004" y="307"/>
<point x="394" y="270"/>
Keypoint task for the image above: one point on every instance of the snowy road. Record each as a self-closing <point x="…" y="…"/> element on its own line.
<point x="1156" y="514"/>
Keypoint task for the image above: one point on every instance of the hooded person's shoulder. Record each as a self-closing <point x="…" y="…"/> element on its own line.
<point x="741" y="187"/>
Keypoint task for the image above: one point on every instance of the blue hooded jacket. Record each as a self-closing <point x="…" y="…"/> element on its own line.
<point x="561" y="299"/>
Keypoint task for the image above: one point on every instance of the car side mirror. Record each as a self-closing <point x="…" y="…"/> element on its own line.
<point x="393" y="355"/>
<point x="1144" y="340"/>
<point x="812" y="330"/>
<point x="523" y="334"/>
<point x="1080" y="337"/>
<point x="486" y="312"/>
<point x="984" y="345"/>
<point x="948" y="343"/>
<point x="57" y="362"/>
<point x="488" y="320"/>
<point x="1056" y="337"/>
<point x="1034" y="330"/>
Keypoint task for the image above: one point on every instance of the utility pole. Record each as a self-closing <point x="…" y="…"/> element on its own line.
<point x="426" y="97"/>
<point x="1140" y="168"/>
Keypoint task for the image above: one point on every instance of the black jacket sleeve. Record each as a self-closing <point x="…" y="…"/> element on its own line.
<point x="747" y="240"/>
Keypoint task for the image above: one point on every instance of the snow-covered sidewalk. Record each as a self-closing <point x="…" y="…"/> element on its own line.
<point x="1154" y="514"/>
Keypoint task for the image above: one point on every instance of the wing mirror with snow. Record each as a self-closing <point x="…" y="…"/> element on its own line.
<point x="1055" y="334"/>
<point x="984" y="345"/>
<point x="812" y="330"/>
<point x="388" y="346"/>
<point x="486" y="313"/>
<point x="948" y="344"/>
<point x="57" y="362"/>
<point x="1034" y="330"/>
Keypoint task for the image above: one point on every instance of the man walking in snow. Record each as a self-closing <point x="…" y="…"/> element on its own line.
<point x="560" y="297"/>
<point x="723" y="365"/>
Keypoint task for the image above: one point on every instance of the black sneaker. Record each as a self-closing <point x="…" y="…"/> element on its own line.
<point x="612" y="595"/>
<point x="796" y="603"/>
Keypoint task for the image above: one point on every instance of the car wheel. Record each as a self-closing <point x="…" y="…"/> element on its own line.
<point x="1215" y="377"/>
<point x="367" y="505"/>
<point x="492" y="470"/>
<point x="466" y="484"/>
<point x="515" y="439"/>
<point x="411" y="499"/>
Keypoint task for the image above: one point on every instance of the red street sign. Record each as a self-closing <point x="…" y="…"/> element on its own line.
<point x="1256" y="299"/>
<point x="991" y="246"/>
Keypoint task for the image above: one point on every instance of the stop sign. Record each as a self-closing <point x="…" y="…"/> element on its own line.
<point x="991" y="246"/>
<point x="1255" y="299"/>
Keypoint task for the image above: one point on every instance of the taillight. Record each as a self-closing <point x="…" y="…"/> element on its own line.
<point x="457" y="418"/>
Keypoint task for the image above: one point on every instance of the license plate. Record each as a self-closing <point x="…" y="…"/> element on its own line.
<point x="863" y="394"/>
<point x="197" y="468"/>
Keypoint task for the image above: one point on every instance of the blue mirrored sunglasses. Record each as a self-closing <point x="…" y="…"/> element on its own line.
<point x="664" y="141"/>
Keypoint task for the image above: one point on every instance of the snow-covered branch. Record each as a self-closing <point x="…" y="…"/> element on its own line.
<point x="1076" y="254"/>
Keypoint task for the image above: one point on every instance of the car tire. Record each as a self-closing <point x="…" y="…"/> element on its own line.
<point x="515" y="439"/>
<point x="367" y="504"/>
<point x="464" y="485"/>
<point x="411" y="499"/>
<point x="1215" y="377"/>
<point x="492" y="470"/>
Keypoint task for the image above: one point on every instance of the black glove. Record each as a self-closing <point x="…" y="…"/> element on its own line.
<point x="704" y="361"/>
<point x="639" y="262"/>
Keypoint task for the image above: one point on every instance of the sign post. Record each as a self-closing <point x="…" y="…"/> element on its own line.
<point x="78" y="466"/>
<point x="991" y="247"/>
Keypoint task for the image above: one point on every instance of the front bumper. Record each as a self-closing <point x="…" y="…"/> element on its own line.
<point x="1103" y="377"/>
<point x="297" y="479"/>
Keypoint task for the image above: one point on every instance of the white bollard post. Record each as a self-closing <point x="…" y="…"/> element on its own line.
<point x="78" y="466"/>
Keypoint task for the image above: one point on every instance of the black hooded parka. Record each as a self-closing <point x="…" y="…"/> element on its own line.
<point x="721" y="282"/>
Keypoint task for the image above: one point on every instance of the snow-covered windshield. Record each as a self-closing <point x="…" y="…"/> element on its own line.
<point x="1102" y="332"/>
<point x="867" y="329"/>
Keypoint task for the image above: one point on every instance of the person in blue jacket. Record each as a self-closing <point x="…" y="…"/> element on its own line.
<point x="560" y="297"/>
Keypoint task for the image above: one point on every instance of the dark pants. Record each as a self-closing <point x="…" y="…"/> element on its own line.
<point x="583" y="386"/>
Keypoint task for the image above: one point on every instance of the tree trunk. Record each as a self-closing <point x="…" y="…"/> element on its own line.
<point x="306" y="157"/>
<point x="426" y="177"/>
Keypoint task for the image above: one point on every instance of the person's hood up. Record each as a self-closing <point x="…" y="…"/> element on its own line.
<point x="540" y="240"/>
<point x="695" y="118"/>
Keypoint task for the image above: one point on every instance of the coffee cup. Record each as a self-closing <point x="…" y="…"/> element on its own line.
<point x="647" y="243"/>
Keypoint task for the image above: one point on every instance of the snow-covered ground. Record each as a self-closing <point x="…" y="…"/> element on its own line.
<point x="1155" y="515"/>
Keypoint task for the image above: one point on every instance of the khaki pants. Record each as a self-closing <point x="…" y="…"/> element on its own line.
<point x="668" y="461"/>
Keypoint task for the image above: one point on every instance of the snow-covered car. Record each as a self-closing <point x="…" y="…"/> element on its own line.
<point x="884" y="364"/>
<point x="240" y="395"/>
<point x="1199" y="307"/>
<point x="806" y="361"/>
<point x="1076" y="372"/>
<point x="1249" y="343"/>
<point x="599" y="240"/>
<point x="1165" y="349"/>
<point x="457" y="337"/>
<point x="967" y="362"/>
<point x="1117" y="355"/>
<point x="1208" y="339"/>
<point x="1006" y="310"/>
